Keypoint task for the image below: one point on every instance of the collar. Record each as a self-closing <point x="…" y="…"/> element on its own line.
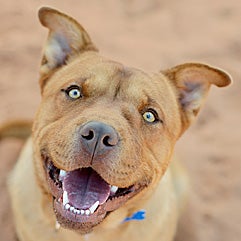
<point x="137" y="216"/>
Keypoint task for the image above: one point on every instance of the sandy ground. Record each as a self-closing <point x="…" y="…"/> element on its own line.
<point x="152" y="35"/>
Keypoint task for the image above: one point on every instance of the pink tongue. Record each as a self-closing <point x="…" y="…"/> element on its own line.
<point x="85" y="187"/>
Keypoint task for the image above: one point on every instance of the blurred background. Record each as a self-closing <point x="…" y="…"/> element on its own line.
<point x="151" y="35"/>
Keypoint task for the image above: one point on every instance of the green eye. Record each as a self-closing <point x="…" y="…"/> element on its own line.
<point x="74" y="92"/>
<point x="148" y="116"/>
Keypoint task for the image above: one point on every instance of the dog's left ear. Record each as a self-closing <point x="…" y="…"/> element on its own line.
<point x="192" y="82"/>
<point x="66" y="39"/>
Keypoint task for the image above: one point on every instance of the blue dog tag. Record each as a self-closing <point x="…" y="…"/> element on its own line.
<point x="138" y="216"/>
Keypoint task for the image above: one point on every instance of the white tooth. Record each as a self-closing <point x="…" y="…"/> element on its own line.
<point x="78" y="211"/>
<point x="67" y="206"/>
<point x="75" y="211"/>
<point x="57" y="225"/>
<point x="82" y="212"/>
<point x="72" y="209"/>
<point x="62" y="174"/>
<point x="65" y="198"/>
<point x="94" y="207"/>
<point x="87" y="212"/>
<point x="113" y="189"/>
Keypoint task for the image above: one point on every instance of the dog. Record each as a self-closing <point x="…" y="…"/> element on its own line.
<point x="98" y="165"/>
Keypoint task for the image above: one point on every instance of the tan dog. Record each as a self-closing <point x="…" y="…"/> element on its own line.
<point x="102" y="142"/>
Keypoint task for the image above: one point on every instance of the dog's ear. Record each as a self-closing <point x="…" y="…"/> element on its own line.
<point x="66" y="39"/>
<point x="192" y="82"/>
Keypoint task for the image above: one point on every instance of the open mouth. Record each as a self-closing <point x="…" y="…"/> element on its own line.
<point x="82" y="198"/>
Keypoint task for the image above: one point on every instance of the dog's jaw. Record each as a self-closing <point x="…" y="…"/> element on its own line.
<point x="83" y="217"/>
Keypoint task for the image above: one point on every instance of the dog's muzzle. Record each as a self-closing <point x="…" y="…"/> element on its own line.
<point x="82" y="198"/>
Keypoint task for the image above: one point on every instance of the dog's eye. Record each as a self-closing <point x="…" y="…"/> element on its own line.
<point x="73" y="92"/>
<point x="150" y="116"/>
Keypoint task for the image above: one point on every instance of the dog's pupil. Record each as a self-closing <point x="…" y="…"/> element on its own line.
<point x="148" y="115"/>
<point x="74" y="93"/>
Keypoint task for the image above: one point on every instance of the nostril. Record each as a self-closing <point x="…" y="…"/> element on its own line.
<point x="88" y="136"/>
<point x="110" y="140"/>
<point x="107" y="141"/>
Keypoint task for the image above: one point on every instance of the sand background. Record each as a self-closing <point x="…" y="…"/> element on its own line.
<point x="151" y="35"/>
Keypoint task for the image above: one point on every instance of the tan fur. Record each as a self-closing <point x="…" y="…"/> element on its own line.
<point x="118" y="96"/>
<point x="17" y="129"/>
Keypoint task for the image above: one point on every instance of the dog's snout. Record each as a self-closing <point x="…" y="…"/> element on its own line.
<point x="98" y="137"/>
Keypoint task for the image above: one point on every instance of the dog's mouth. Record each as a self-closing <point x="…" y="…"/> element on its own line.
<point x="82" y="198"/>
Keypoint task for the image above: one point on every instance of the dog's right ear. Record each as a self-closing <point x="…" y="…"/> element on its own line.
<point x="66" y="39"/>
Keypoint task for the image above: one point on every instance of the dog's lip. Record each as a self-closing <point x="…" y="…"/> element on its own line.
<point x="82" y="223"/>
<point x="85" y="222"/>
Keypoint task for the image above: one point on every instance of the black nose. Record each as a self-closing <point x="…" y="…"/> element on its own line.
<point x="98" y="137"/>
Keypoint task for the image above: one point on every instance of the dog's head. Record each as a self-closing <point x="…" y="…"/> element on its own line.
<point x="104" y="133"/>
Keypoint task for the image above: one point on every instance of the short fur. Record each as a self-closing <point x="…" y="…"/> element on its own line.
<point x="118" y="96"/>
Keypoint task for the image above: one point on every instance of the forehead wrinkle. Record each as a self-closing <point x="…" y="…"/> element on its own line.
<point x="148" y="101"/>
<point x="106" y="80"/>
<point x="120" y="76"/>
<point x="152" y="102"/>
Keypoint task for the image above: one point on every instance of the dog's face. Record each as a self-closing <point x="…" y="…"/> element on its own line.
<point x="104" y="132"/>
